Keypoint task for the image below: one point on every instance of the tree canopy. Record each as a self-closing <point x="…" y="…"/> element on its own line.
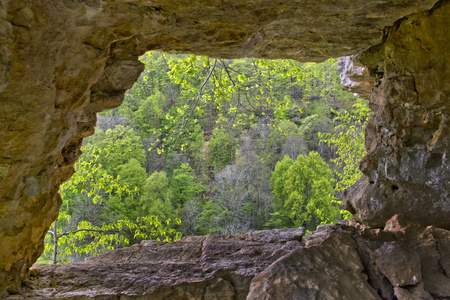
<point x="226" y="146"/>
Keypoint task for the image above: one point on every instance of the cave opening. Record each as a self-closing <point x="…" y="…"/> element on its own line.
<point x="62" y="62"/>
<point x="204" y="143"/>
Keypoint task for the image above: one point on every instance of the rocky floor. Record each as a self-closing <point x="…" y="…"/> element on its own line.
<point x="342" y="261"/>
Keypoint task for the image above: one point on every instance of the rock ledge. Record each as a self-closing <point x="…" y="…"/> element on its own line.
<point x="341" y="261"/>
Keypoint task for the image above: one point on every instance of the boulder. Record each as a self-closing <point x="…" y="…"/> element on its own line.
<point x="332" y="269"/>
<point x="399" y="264"/>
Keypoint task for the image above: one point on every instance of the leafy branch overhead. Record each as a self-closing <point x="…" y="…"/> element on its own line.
<point x="86" y="238"/>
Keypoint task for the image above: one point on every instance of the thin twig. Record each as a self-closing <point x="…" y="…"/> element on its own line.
<point x="89" y="230"/>
<point x="192" y="105"/>
<point x="226" y="69"/>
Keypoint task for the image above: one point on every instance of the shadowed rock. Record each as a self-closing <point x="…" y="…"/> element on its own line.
<point x="407" y="139"/>
<point x="335" y="262"/>
<point x="213" y="267"/>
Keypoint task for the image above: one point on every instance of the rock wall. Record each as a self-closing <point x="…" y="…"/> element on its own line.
<point x="355" y="77"/>
<point x="61" y="61"/>
<point x="407" y="165"/>
<point x="404" y="261"/>
<point x="55" y="82"/>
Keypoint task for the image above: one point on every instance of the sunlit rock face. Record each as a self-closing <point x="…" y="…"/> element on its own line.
<point x="355" y="77"/>
<point x="408" y="141"/>
<point x="61" y="61"/>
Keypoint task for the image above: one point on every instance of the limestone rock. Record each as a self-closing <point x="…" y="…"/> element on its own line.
<point x="355" y="77"/>
<point x="408" y="261"/>
<point x="407" y="139"/>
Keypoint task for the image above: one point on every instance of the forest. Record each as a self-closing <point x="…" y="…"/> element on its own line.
<point x="211" y="146"/>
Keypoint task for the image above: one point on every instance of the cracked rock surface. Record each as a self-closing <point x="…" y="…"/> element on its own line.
<point x="211" y="267"/>
<point x="408" y="138"/>
<point x="343" y="261"/>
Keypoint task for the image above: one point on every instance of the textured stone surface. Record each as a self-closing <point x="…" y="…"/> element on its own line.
<point x="407" y="165"/>
<point x="355" y="77"/>
<point x="399" y="264"/>
<point x="332" y="270"/>
<point x="350" y="262"/>
<point x="416" y="292"/>
<point x="335" y="262"/>
<point x="61" y="61"/>
<point x="212" y="267"/>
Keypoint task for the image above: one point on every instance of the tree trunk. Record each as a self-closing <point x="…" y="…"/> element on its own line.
<point x="55" y="243"/>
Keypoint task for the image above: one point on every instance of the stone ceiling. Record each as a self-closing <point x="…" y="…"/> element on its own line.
<point x="62" y="61"/>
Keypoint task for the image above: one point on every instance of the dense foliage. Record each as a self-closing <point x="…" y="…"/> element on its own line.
<point x="226" y="146"/>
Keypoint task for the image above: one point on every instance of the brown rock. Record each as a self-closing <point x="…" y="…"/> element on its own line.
<point x="61" y="61"/>
<point x="443" y="247"/>
<point x="398" y="223"/>
<point x="399" y="264"/>
<point x="331" y="270"/>
<point x="432" y="248"/>
<point x="334" y="262"/>
<point x="212" y="267"/>
<point x="406" y="167"/>
<point x="412" y="293"/>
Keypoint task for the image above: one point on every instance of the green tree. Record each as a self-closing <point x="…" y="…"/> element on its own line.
<point x="84" y="238"/>
<point x="280" y="217"/>
<point x="157" y="196"/>
<point x="127" y="206"/>
<point x="122" y="143"/>
<point x="90" y="186"/>
<point x="221" y="150"/>
<point x="310" y="192"/>
<point x="347" y="139"/>
<point x="150" y="113"/>
<point x="91" y="183"/>
<point x="183" y="186"/>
